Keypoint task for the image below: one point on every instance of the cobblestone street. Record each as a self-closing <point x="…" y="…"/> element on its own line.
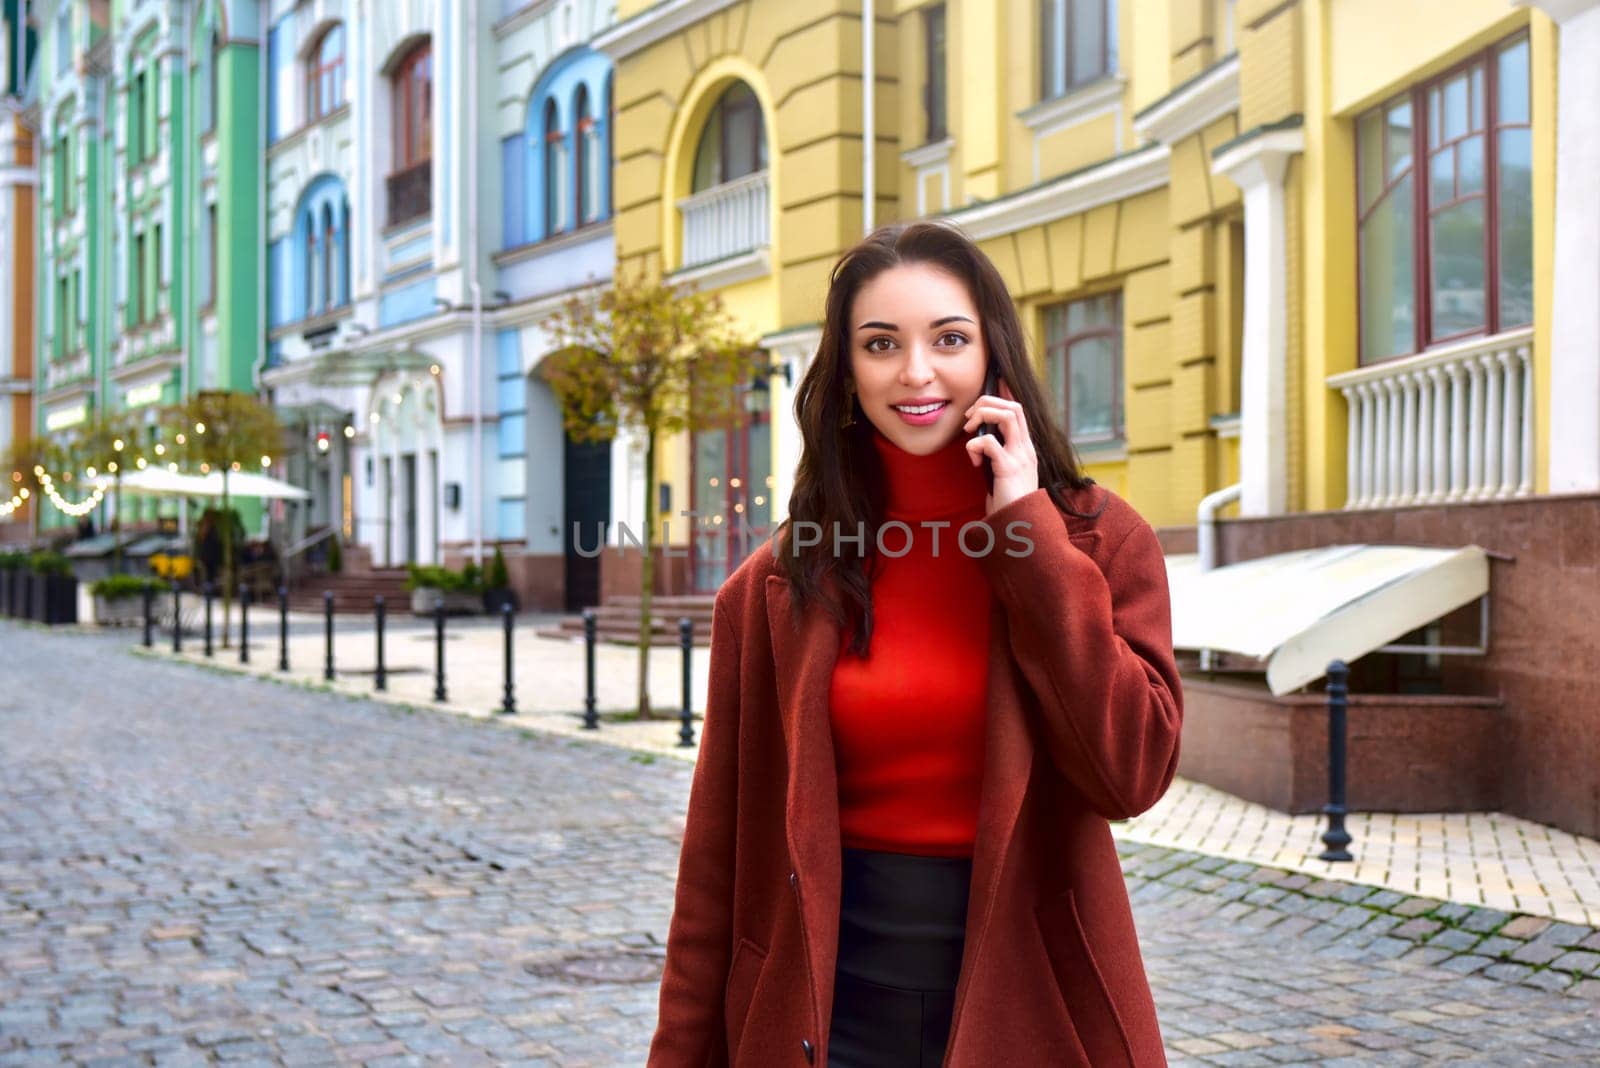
<point x="200" y="867"/>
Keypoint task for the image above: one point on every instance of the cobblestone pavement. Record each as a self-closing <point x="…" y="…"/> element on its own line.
<point x="198" y="867"/>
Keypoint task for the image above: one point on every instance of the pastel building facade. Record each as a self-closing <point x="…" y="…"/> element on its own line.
<point x="148" y="221"/>
<point x="17" y="191"/>
<point x="438" y="178"/>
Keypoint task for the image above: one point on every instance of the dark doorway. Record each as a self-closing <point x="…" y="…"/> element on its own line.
<point x="408" y="497"/>
<point x="586" y="476"/>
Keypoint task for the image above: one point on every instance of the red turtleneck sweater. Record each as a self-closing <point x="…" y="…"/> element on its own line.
<point x="908" y="718"/>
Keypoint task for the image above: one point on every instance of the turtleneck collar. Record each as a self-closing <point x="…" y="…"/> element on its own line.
<point x="941" y="483"/>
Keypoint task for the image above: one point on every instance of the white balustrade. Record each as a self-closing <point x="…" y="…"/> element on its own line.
<point x="725" y="220"/>
<point x="1454" y="423"/>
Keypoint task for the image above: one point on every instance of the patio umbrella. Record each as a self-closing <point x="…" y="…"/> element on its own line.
<point x="161" y="482"/>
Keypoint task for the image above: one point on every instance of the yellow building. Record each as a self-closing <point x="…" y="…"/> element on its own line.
<point x="1171" y="189"/>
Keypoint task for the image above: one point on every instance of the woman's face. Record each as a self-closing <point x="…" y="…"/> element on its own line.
<point x="916" y="342"/>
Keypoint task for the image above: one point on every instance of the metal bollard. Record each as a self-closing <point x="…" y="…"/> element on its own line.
<point x="244" y="624"/>
<point x="686" y="641"/>
<point x="327" y="630"/>
<point x="210" y="595"/>
<point x="177" y="619"/>
<point x="508" y="706"/>
<point x="1336" y="838"/>
<point x="283" y="628"/>
<point x="591" y="717"/>
<point x="380" y="681"/>
<point x="438" y="649"/>
<point x="149" y="596"/>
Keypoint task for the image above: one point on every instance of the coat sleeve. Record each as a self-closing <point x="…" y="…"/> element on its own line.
<point x="1096" y="648"/>
<point x="689" y="1029"/>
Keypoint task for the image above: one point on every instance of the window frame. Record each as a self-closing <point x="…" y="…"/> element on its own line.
<point x="720" y="113"/>
<point x="553" y="139"/>
<point x="412" y="111"/>
<point x="586" y="209"/>
<point x="318" y="67"/>
<point x="935" y="75"/>
<point x="1422" y="152"/>
<point x="1064" y="345"/>
<point x="1056" y="47"/>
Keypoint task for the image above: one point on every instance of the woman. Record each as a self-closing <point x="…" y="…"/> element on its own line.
<point x="926" y="702"/>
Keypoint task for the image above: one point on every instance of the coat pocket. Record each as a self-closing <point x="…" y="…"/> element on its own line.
<point x="1082" y="986"/>
<point x="742" y="974"/>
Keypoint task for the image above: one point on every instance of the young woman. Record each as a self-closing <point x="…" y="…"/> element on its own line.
<point x="952" y="669"/>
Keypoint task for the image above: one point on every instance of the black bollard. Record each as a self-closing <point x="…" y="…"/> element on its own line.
<point x="380" y="681"/>
<point x="210" y="595"/>
<point x="686" y="641"/>
<point x="591" y="717"/>
<point x="149" y="596"/>
<point x="244" y="624"/>
<point x="1336" y="838"/>
<point x="327" y="630"/>
<point x="438" y="649"/>
<point x="283" y="628"/>
<point x="508" y="706"/>
<point x="177" y="619"/>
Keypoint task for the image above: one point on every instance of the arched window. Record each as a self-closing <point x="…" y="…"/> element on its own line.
<point x="589" y="164"/>
<point x="413" y="104"/>
<point x="733" y="143"/>
<point x="330" y="263"/>
<point x="322" y="242"/>
<point x="555" y="172"/>
<point x="325" y="74"/>
<point x="313" y="263"/>
<point x="410" y="182"/>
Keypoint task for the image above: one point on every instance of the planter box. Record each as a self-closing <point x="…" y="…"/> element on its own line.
<point x="119" y="611"/>
<point x="456" y="603"/>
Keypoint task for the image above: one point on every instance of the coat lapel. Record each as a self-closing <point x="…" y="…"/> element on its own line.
<point x="804" y="654"/>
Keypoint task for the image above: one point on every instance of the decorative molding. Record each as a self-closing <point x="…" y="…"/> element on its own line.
<point x="929" y="154"/>
<point x="1260" y="155"/>
<point x="603" y="228"/>
<point x="1226" y="426"/>
<point x="728" y="271"/>
<point x="1192" y="106"/>
<point x="655" y="24"/>
<point x="1559" y="10"/>
<point x="1075" y="105"/>
<point x="1115" y="179"/>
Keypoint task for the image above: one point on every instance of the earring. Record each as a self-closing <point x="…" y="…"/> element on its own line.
<point x="850" y="407"/>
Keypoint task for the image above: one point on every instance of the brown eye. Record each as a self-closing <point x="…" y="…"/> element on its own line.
<point x="872" y="345"/>
<point x="952" y="338"/>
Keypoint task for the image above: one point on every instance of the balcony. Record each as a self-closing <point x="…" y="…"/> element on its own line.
<point x="725" y="220"/>
<point x="1449" y="425"/>
<point x="410" y="193"/>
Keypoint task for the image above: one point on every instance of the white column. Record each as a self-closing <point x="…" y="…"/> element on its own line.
<point x="427" y="506"/>
<point x="795" y="348"/>
<point x="1257" y="165"/>
<point x="1575" y="319"/>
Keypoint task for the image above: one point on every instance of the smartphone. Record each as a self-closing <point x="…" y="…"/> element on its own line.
<point x="991" y="388"/>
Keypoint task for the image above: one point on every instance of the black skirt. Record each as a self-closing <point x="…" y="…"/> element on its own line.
<point x="902" y="926"/>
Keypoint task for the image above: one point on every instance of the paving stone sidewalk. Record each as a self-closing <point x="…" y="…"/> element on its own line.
<point x="202" y="868"/>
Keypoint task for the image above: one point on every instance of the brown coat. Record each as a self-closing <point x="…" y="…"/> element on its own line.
<point x="1085" y="707"/>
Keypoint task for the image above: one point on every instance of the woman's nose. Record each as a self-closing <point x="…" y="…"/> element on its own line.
<point x="916" y="368"/>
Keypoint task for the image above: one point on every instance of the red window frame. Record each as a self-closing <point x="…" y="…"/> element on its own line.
<point x="1422" y="153"/>
<point x="413" y="104"/>
<point x="322" y="66"/>
<point x="1063" y="346"/>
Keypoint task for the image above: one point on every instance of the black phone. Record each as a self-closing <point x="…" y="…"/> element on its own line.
<point x="991" y="388"/>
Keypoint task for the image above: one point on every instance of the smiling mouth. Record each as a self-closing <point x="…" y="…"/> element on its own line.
<point x="919" y="409"/>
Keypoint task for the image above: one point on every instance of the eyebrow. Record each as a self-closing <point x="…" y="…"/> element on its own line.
<point x="876" y="324"/>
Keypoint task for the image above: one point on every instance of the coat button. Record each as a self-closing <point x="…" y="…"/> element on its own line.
<point x="811" y="1053"/>
<point x="794" y="880"/>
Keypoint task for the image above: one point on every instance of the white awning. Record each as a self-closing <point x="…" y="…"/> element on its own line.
<point x="160" y="482"/>
<point x="1299" y="610"/>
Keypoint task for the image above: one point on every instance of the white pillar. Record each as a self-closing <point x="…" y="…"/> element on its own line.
<point x="796" y="348"/>
<point x="1256" y="163"/>
<point x="1574" y="352"/>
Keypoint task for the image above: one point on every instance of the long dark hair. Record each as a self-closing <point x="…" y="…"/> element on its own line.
<point x="839" y="483"/>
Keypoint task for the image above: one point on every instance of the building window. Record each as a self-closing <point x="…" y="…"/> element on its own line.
<point x="63" y="288"/>
<point x="1446" y="250"/>
<point x="322" y="240"/>
<point x="63" y="39"/>
<point x="410" y="182"/>
<point x="208" y="291"/>
<point x="213" y="77"/>
<point x="136" y="118"/>
<point x="137" y="269"/>
<point x="934" y="86"/>
<point x="63" y="170"/>
<point x="1077" y="43"/>
<point x="1083" y="367"/>
<point x="555" y="172"/>
<point x="330" y="258"/>
<point x="733" y="143"/>
<point x="325" y="75"/>
<point x="589" y="164"/>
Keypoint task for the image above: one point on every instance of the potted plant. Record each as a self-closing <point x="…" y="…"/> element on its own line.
<point x="461" y="591"/>
<point x="497" y="591"/>
<point x="119" y="599"/>
<point x="55" y="590"/>
<point x="12" y="565"/>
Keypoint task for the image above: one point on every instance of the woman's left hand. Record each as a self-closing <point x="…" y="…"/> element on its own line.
<point x="1015" y="464"/>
